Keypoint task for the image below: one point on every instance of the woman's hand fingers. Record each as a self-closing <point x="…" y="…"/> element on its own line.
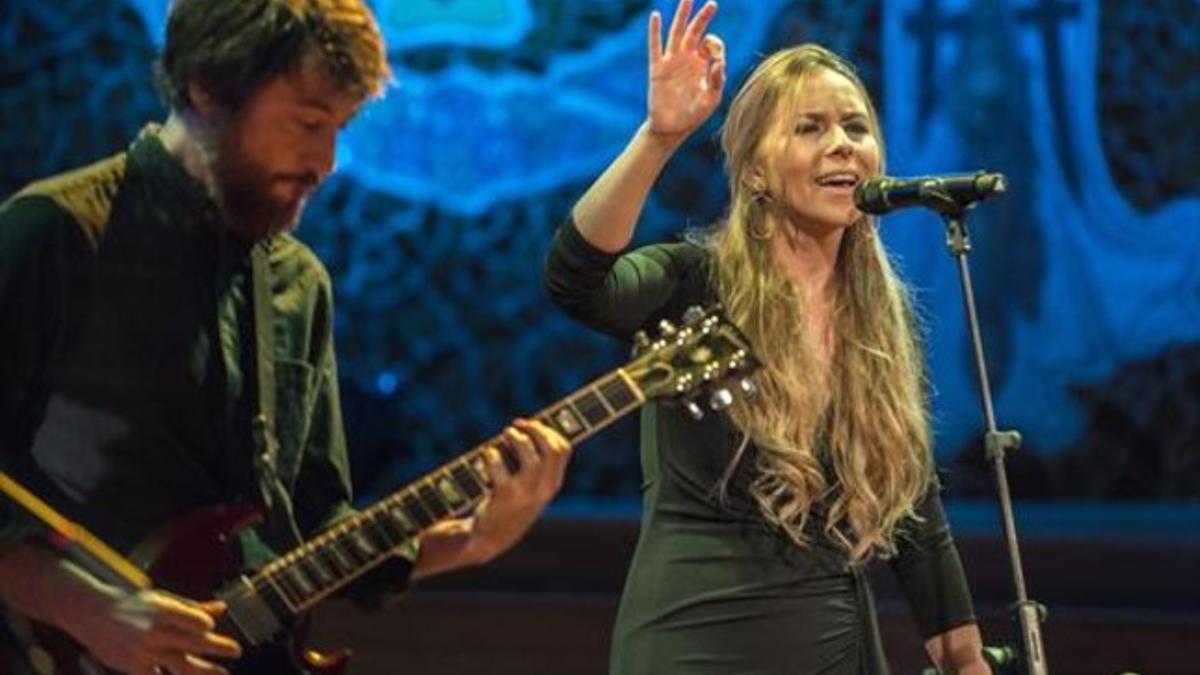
<point x="654" y="45"/>
<point x="678" y="26"/>
<point x="694" y="35"/>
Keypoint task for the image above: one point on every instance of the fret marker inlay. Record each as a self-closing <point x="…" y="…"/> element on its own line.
<point x="364" y="544"/>
<point x="567" y="422"/>
<point x="448" y="490"/>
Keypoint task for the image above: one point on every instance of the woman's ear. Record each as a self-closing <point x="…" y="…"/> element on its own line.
<point x="756" y="181"/>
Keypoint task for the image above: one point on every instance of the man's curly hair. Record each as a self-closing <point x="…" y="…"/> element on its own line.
<point x="233" y="47"/>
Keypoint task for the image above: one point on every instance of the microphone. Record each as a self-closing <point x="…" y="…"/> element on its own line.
<point x="1001" y="660"/>
<point x="944" y="194"/>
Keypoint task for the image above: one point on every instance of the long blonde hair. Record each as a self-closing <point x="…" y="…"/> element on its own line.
<point x="863" y="420"/>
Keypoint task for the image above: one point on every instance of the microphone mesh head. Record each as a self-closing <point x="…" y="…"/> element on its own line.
<point x="997" y="184"/>
<point x="868" y="196"/>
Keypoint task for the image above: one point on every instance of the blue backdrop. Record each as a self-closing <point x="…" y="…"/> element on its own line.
<point x="1087" y="272"/>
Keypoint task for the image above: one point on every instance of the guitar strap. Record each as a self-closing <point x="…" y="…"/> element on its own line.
<point x="275" y="499"/>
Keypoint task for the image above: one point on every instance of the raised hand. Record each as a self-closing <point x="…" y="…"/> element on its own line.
<point x="688" y="75"/>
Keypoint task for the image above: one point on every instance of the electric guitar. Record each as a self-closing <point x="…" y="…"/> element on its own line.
<point x="704" y="362"/>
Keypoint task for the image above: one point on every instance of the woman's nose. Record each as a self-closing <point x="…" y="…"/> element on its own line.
<point x="839" y="142"/>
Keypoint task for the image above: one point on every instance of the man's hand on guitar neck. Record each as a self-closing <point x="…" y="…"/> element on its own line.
<point x="141" y="633"/>
<point x="516" y="501"/>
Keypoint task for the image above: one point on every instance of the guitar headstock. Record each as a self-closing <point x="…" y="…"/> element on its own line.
<point x="705" y="362"/>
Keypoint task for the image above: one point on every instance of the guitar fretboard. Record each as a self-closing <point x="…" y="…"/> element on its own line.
<point x="325" y="564"/>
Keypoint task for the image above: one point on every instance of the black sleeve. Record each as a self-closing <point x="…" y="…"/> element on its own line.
<point x="930" y="572"/>
<point x="38" y="243"/>
<point x="619" y="293"/>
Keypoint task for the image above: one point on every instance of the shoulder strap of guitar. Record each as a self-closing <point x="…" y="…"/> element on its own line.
<point x="275" y="499"/>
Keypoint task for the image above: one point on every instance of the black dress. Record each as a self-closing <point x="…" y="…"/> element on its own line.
<point x="712" y="588"/>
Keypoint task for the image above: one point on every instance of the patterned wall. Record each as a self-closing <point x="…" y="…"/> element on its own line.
<point x="450" y="187"/>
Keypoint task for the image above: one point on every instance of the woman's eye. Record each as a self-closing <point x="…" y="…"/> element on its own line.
<point x="807" y="128"/>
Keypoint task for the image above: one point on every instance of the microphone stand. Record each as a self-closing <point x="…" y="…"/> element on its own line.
<point x="1027" y="613"/>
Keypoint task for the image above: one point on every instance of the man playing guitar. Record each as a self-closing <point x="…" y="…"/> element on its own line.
<point x="166" y="344"/>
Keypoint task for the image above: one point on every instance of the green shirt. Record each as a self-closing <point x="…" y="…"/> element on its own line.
<point x="127" y="356"/>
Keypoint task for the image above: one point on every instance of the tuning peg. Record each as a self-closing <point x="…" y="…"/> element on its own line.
<point x="683" y="384"/>
<point x="666" y="328"/>
<point x="720" y="400"/>
<point x="749" y="389"/>
<point x="694" y="410"/>
<point x="641" y="342"/>
<point x="693" y="315"/>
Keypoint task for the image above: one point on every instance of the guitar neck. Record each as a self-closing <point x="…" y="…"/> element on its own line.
<point x="327" y="563"/>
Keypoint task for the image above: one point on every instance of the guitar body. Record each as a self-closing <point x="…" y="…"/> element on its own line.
<point x="191" y="557"/>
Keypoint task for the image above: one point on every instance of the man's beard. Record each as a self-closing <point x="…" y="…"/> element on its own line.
<point x="244" y="191"/>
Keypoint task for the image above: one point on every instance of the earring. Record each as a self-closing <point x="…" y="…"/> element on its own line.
<point x="761" y="229"/>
